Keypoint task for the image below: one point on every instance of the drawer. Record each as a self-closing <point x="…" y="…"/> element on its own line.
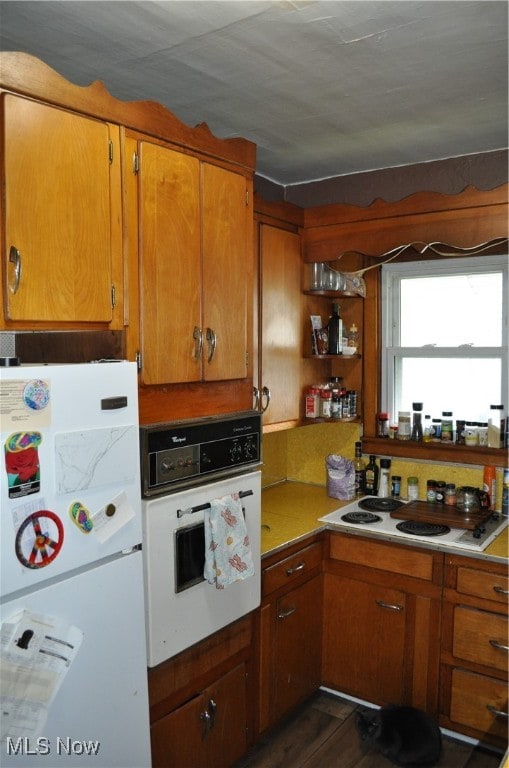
<point x="480" y="637"/>
<point x="386" y="557"/>
<point x="489" y="586"/>
<point x="479" y="702"/>
<point x="291" y="568"/>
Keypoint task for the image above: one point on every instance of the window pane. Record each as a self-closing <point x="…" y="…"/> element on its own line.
<point x="451" y="310"/>
<point x="467" y="387"/>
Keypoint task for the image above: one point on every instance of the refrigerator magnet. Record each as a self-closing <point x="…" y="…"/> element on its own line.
<point x="22" y="463"/>
<point x="80" y="516"/>
<point x="39" y="539"/>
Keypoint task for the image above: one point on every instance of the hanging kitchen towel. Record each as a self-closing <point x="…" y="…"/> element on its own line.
<point x="228" y="555"/>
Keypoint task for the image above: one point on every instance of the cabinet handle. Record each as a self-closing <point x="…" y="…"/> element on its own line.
<point x="256" y="398"/>
<point x="501" y="590"/>
<point x="198" y="342"/>
<point x="212" y="712"/>
<point x="266" y="395"/>
<point x="212" y="341"/>
<point x="207" y="722"/>
<point x="499" y="646"/>
<point x="389" y="606"/>
<point x="15" y="258"/>
<point x="288" y="612"/>
<point x="497" y="712"/>
<point x="299" y="567"/>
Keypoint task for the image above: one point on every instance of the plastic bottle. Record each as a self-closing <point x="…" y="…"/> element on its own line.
<point x="489" y="484"/>
<point x="496" y="426"/>
<point x="335" y="332"/>
<point x="360" y="470"/>
<point x="384" y="487"/>
<point x="371" y="482"/>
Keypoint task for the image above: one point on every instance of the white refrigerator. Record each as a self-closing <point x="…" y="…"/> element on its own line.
<point x="73" y="676"/>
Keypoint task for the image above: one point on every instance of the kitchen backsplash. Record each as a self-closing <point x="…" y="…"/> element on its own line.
<point x="299" y="455"/>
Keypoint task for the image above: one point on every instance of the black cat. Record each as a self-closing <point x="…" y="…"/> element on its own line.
<point x="405" y="735"/>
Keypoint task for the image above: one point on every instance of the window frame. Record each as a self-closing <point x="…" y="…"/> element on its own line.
<point x="391" y="351"/>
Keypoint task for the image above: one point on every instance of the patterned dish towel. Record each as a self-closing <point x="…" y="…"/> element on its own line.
<point x="228" y="555"/>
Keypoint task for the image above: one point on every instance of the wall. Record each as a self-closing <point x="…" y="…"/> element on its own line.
<point x="299" y="455"/>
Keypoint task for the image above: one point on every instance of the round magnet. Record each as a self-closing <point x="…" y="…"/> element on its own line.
<point x="40" y="549"/>
<point x="36" y="395"/>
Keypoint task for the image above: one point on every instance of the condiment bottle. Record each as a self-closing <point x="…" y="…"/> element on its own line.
<point x="460" y="431"/>
<point x="450" y="494"/>
<point x="413" y="488"/>
<point x="417" y="434"/>
<point x="404" y="428"/>
<point x="383" y="424"/>
<point x="335" y="332"/>
<point x="325" y="403"/>
<point x="482" y="433"/>
<point x="489" y="484"/>
<point x="383" y="489"/>
<point x="360" y="470"/>
<point x="426" y="434"/>
<point x="436" y="430"/>
<point x="440" y="492"/>
<point x="431" y="491"/>
<point x="471" y="433"/>
<point x="395" y="486"/>
<point x="312" y="403"/>
<point x="353" y="336"/>
<point x="371" y="483"/>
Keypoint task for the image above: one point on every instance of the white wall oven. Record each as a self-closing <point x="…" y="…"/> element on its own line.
<point x="186" y="466"/>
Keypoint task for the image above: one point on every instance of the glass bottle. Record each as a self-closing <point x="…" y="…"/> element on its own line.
<point x="384" y="488"/>
<point x="404" y="429"/>
<point x="413" y="488"/>
<point x="371" y="482"/>
<point x="446" y="426"/>
<point x="417" y="434"/>
<point x="426" y="435"/>
<point x="360" y="470"/>
<point x="335" y="331"/>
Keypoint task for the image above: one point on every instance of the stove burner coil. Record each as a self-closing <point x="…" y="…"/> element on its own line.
<point x="416" y="528"/>
<point x="380" y="504"/>
<point x="361" y="517"/>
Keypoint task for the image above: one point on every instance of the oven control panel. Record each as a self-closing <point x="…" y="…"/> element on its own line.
<point x="183" y="454"/>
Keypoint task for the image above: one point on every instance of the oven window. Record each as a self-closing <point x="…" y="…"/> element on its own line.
<point x="190" y="556"/>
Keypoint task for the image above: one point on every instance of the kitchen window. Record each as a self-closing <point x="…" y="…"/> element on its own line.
<point x="445" y="336"/>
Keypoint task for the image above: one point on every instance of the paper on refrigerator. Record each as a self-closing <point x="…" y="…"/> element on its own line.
<point x="36" y="653"/>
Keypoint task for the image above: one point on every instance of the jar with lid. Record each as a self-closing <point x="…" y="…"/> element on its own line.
<point x="312" y="403"/>
<point x="431" y="491"/>
<point x="396" y="486"/>
<point x="436" y="430"/>
<point x="413" y="488"/>
<point x="446" y="426"/>
<point x="482" y="433"/>
<point x="460" y="431"/>
<point x="383" y="424"/>
<point x="426" y="431"/>
<point x="470" y="433"/>
<point x="450" y="494"/>
<point x="404" y="428"/>
<point x="440" y="492"/>
<point x="325" y="403"/>
<point x="335" y="408"/>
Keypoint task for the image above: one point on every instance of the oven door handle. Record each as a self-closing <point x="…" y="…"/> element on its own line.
<point x="202" y="507"/>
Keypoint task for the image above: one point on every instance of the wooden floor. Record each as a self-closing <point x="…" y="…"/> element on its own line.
<point x="322" y="734"/>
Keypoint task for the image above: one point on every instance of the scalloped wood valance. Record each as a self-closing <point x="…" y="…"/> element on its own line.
<point x="472" y="222"/>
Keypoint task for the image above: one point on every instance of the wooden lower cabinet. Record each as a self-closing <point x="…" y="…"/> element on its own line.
<point x="475" y="650"/>
<point x="202" y="701"/>
<point x="290" y="630"/>
<point x="207" y="731"/>
<point x="382" y="622"/>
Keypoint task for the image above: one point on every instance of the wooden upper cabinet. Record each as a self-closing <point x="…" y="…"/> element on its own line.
<point x="61" y="177"/>
<point x="194" y="268"/>
<point x="169" y="184"/>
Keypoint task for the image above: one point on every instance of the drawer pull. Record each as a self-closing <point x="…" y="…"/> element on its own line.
<point x="497" y="712"/>
<point x="499" y="646"/>
<point x="299" y="567"/>
<point x="500" y="590"/>
<point x="389" y="606"/>
<point x="288" y="612"/>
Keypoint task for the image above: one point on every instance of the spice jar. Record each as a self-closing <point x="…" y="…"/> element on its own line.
<point x="447" y="426"/>
<point x="450" y="494"/>
<point x="470" y="433"/>
<point x="383" y="424"/>
<point x="312" y="403"/>
<point x="395" y="486"/>
<point x="460" y="432"/>
<point x="404" y="427"/>
<point x="482" y="433"/>
<point x="436" y="430"/>
<point x="325" y="403"/>
<point x="413" y="488"/>
<point x="431" y="491"/>
<point x="440" y="492"/>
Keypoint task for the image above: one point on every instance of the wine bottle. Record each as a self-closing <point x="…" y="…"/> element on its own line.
<point x="360" y="470"/>
<point x="335" y="332"/>
<point x="371" y="483"/>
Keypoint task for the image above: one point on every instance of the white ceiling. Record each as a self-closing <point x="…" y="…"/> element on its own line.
<point x="323" y="87"/>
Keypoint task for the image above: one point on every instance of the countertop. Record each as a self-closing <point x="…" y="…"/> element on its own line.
<point x="290" y="512"/>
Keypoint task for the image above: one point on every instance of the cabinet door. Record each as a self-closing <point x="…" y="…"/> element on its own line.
<point x="179" y="738"/>
<point x="170" y="273"/>
<point x="57" y="245"/>
<point x="364" y="639"/>
<point x="281" y="322"/>
<point x="225" y="701"/>
<point x="226" y="268"/>
<point x="297" y="672"/>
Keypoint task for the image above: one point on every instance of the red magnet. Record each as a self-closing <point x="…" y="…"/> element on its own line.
<point x="44" y="549"/>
